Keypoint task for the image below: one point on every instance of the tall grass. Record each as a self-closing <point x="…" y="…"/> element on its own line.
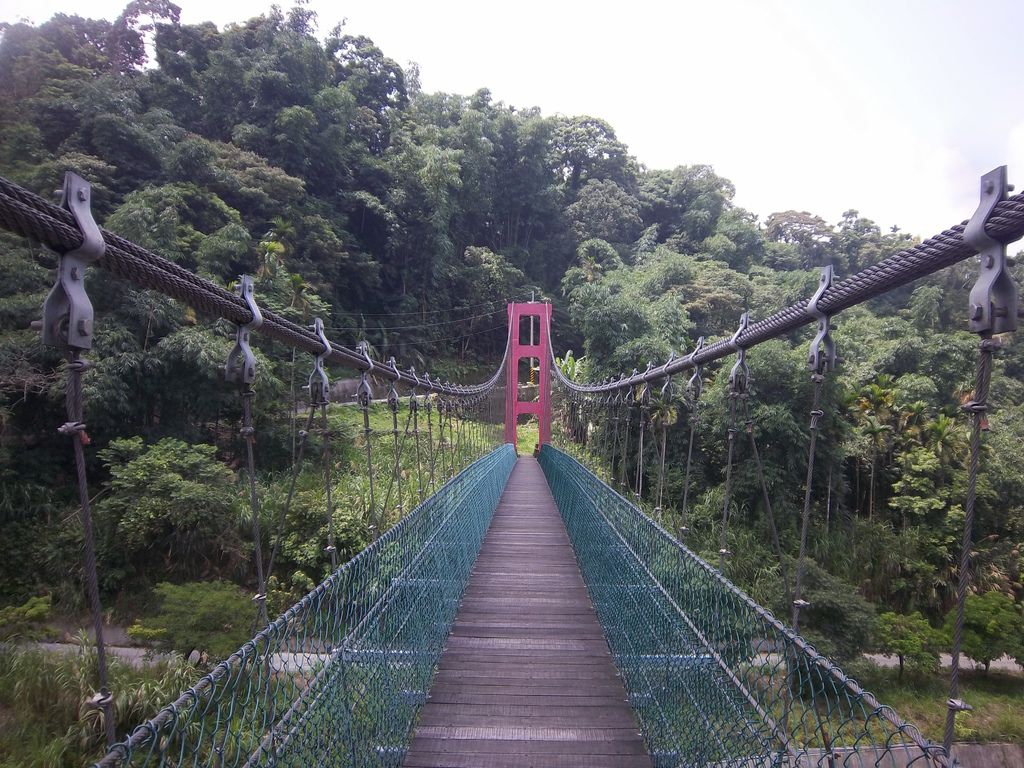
<point x="45" y="720"/>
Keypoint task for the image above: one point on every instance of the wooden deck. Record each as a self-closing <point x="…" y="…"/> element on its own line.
<point x="526" y="678"/>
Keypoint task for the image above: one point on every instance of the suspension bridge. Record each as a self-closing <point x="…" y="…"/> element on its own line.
<point x="523" y="610"/>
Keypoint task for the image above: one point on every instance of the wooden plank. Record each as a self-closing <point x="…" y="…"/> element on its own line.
<point x="526" y="678"/>
<point x="434" y="744"/>
<point x="517" y="760"/>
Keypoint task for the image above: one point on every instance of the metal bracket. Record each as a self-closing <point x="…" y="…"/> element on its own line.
<point x="100" y="699"/>
<point x="667" y="391"/>
<point x="645" y="396"/>
<point x="364" y="394"/>
<point x="958" y="705"/>
<point x="427" y="392"/>
<point x="67" y="311"/>
<point x="739" y="376"/>
<point x="695" y="386"/>
<point x="414" y="402"/>
<point x="241" y="365"/>
<point x="993" y="307"/>
<point x="822" y="357"/>
<point x="392" y="390"/>
<point x="319" y="383"/>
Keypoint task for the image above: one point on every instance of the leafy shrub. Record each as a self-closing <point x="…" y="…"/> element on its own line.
<point x="23" y="620"/>
<point x="212" y="616"/>
<point x="910" y="638"/>
<point x="172" y="508"/>
<point x="993" y="627"/>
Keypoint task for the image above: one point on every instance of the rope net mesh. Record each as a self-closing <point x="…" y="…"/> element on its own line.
<point x="337" y="679"/>
<point x="714" y="678"/>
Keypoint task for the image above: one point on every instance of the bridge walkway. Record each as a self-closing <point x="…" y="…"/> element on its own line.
<point x="526" y="678"/>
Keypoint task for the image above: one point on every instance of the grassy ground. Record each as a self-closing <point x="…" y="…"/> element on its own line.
<point x="527" y="437"/>
<point x="43" y="722"/>
<point x="997" y="698"/>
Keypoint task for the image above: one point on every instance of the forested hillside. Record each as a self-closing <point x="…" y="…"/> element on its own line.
<point x="316" y="163"/>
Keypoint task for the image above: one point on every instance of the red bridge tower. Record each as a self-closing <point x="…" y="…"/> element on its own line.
<point x="530" y="342"/>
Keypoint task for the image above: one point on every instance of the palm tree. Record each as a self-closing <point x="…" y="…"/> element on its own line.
<point x="946" y="440"/>
<point x="913" y="422"/>
<point x="876" y="432"/>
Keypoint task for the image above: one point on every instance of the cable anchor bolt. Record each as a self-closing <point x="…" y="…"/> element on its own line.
<point x="67" y="311"/>
<point x="241" y="365"/>
<point x="993" y="300"/>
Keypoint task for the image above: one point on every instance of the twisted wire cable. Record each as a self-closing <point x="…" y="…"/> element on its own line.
<point x="24" y="213"/>
<point x="977" y="407"/>
<point x="927" y="257"/>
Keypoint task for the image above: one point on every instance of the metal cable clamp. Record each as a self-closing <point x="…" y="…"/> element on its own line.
<point x="993" y="302"/>
<point x="822" y="357"/>
<point x="67" y="311"/>
<point x="241" y="365"/>
<point x="739" y="376"/>
<point x="319" y="383"/>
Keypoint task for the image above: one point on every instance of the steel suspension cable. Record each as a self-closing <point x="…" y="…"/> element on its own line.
<point x="296" y="470"/>
<point x="799" y="603"/>
<point x="822" y="359"/>
<point x="772" y="528"/>
<point x="1005" y="224"/>
<point x="667" y="397"/>
<point x="365" y="397"/>
<point x="331" y="549"/>
<point x="978" y="408"/>
<point x="723" y="551"/>
<point x="694" y="389"/>
<point x="430" y="442"/>
<point x="24" y="213"/>
<point x="414" y="410"/>
<point x="74" y="428"/>
<point x="248" y="434"/>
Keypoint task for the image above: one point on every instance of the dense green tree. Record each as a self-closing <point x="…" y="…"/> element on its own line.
<point x="169" y="503"/>
<point x="909" y="638"/>
<point x="993" y="627"/>
<point x="211" y="617"/>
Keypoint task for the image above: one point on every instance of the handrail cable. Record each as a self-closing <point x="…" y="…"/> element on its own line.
<point x="1006" y="224"/>
<point x="25" y="213"/>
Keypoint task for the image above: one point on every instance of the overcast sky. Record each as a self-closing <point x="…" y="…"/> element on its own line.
<point x="892" y="107"/>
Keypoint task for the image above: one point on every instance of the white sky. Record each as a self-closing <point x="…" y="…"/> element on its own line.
<point x="892" y="107"/>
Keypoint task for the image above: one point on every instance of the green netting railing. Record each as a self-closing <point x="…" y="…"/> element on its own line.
<point x="714" y="678"/>
<point x="337" y="679"/>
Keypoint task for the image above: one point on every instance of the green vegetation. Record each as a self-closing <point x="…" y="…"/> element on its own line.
<point x="211" y="617"/>
<point x="21" y="622"/>
<point x="45" y="722"/>
<point x="997" y="699"/>
<point x="317" y="164"/>
<point x="527" y="437"/>
<point x="993" y="627"/>
<point x="910" y="639"/>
